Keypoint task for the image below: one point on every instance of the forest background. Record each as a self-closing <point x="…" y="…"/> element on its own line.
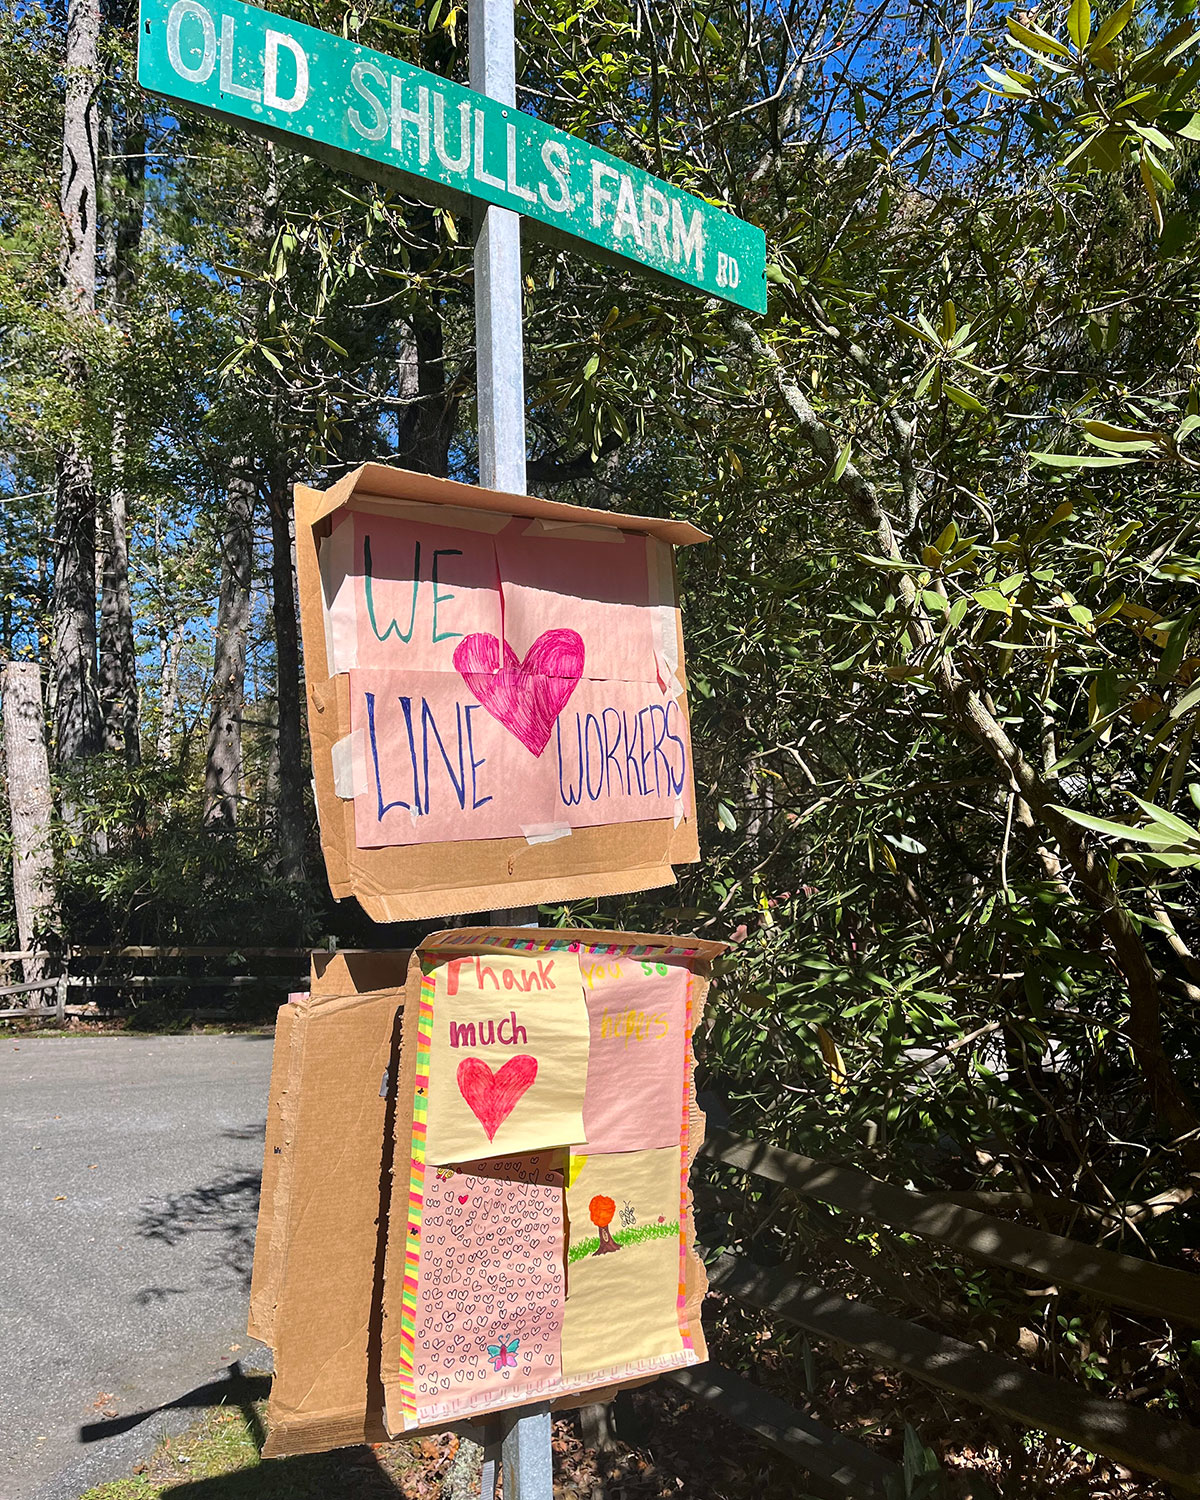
<point x="944" y="647"/>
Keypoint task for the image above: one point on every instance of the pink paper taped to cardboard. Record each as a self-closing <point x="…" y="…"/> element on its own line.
<point x="452" y="755"/>
<point x="490" y="1288"/>
<point x="402" y="594"/>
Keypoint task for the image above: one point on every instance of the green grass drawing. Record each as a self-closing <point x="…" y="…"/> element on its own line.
<point x="633" y="1236"/>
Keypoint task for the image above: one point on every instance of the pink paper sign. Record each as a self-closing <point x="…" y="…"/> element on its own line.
<point x="403" y="594"/>
<point x="636" y="1017"/>
<point x="600" y="589"/>
<point x="438" y="761"/>
<point x="490" y="1284"/>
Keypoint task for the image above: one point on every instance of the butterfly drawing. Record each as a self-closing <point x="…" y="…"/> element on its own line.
<point x="444" y="1174"/>
<point x="504" y="1356"/>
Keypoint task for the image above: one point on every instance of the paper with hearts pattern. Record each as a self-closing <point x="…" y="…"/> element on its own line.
<point x="490" y="1272"/>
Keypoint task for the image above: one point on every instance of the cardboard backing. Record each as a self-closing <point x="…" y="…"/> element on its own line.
<point x="486" y="940"/>
<point x="420" y="881"/>
<point x="319" y="1252"/>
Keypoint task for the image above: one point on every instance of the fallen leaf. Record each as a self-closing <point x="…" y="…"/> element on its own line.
<point x="62" y="1198"/>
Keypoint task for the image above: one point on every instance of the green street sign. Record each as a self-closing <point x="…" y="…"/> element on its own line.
<point x="380" y="118"/>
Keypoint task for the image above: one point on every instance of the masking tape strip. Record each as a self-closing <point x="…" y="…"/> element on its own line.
<point x="545" y="833"/>
<point x="661" y="578"/>
<point x="573" y="531"/>
<point x="457" y="517"/>
<point x="337" y="594"/>
<point x="350" y="766"/>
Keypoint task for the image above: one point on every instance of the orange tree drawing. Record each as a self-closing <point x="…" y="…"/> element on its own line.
<point x="601" y="1210"/>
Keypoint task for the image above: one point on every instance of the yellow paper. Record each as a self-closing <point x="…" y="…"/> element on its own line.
<point x="508" y="1057"/>
<point x="623" y="1261"/>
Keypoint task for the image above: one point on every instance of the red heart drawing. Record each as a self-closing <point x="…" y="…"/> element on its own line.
<point x="525" y="696"/>
<point x="493" y="1095"/>
<point x="462" y="1197"/>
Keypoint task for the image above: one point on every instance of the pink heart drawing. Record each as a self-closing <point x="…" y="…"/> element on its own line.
<point x="525" y="696"/>
<point x="493" y="1095"/>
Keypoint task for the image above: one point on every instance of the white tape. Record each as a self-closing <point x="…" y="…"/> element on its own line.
<point x="457" y="517"/>
<point x="573" y="531"/>
<point x="350" y="766"/>
<point x="663" y="612"/>
<point x="316" y="802"/>
<point x="678" y="811"/>
<point x="337" y="592"/>
<point x="545" y="833"/>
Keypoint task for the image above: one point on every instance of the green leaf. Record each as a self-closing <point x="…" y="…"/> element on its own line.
<point x="1167" y="820"/>
<point x="906" y="843"/>
<point x="843" y="459"/>
<point x="963" y="398"/>
<point x="1079" y="23"/>
<point x="1113" y="830"/>
<point x="1113" y="26"/>
<point x="1187" y="702"/>
<point x="994" y="600"/>
<point x="1032" y="38"/>
<point x="1128" y="436"/>
<point x="726" y="818"/>
<point x="775" y="273"/>
<point x="1078" y="460"/>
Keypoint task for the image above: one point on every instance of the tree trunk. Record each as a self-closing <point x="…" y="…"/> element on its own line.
<point x="27" y="772"/>
<point x="77" y="708"/>
<point x="118" y="651"/>
<point x="289" y="808"/>
<point x="607" y="1243"/>
<point x="222" y="775"/>
<point x="169" y="644"/>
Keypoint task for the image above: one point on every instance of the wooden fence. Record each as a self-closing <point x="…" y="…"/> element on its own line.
<point x="1133" y="1436"/>
<point x="99" y="976"/>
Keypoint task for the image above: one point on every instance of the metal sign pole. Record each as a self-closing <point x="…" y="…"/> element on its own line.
<point x="500" y="348"/>
<point x="500" y="395"/>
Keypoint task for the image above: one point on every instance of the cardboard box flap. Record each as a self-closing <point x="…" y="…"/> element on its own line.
<point x="383" y="481"/>
<point x="356" y="971"/>
<point x="497" y="939"/>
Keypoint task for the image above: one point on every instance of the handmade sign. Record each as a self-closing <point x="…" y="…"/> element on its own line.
<point x="318" y="1252"/>
<point x="497" y="695"/>
<point x="540" y="1228"/>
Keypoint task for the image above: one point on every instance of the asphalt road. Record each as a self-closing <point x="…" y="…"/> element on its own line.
<point x="130" y="1171"/>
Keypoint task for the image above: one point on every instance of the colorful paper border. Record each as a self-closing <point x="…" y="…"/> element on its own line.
<point x="416" y="1206"/>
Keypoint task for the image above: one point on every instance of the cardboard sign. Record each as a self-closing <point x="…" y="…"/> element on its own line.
<point x="322" y="1222"/>
<point x="540" y="1228"/>
<point x="497" y="699"/>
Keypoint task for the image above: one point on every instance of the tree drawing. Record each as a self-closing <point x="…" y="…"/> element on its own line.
<point x="601" y="1210"/>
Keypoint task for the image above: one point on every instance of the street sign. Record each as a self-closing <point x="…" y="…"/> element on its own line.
<point x="380" y="118"/>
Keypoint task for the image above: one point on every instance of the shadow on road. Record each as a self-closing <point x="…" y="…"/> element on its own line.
<point x="226" y="1208"/>
<point x="237" y="1389"/>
